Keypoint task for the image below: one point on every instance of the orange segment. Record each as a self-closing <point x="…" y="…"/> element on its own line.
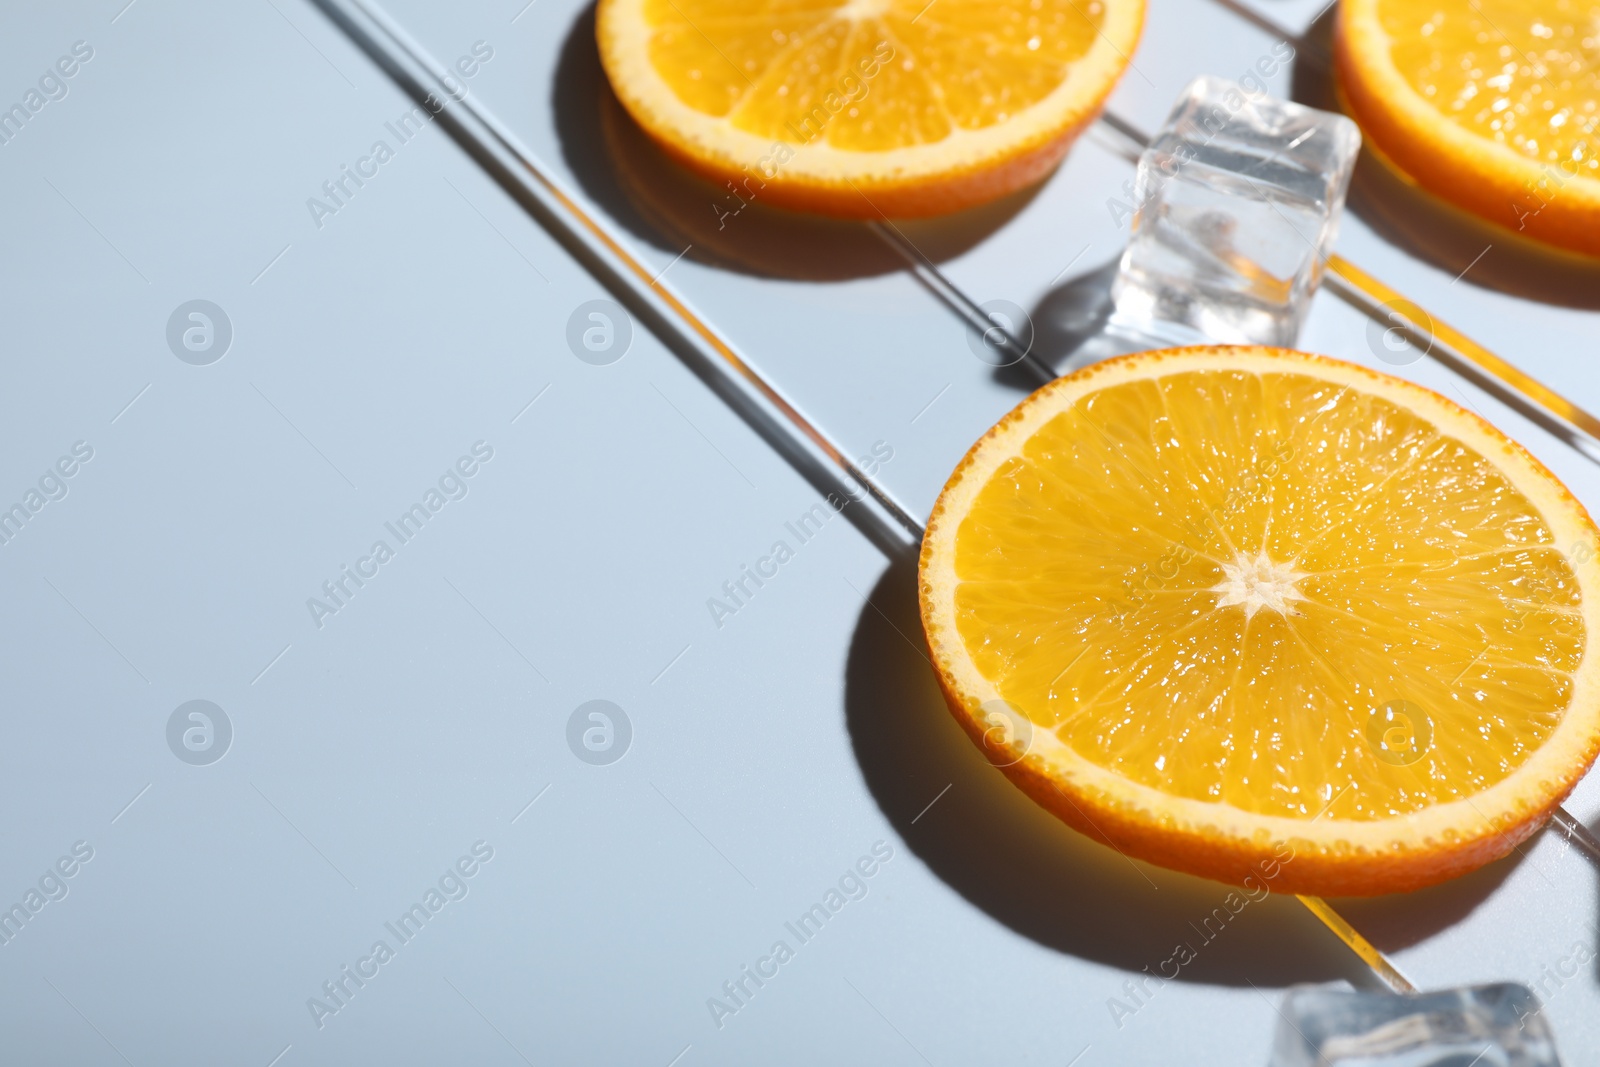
<point x="868" y="107"/>
<point x="1491" y="104"/>
<point x="898" y="107"/>
<point x="1003" y="61"/>
<point x="1231" y="600"/>
<point x="1506" y="71"/>
<point x="709" y="64"/>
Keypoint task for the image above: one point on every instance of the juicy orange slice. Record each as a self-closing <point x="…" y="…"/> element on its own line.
<point x="1493" y="105"/>
<point x="867" y="107"/>
<point x="1220" y="607"/>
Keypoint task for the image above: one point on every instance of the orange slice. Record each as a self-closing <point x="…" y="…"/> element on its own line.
<point x="1250" y="613"/>
<point x="1493" y="105"/>
<point x="866" y="107"/>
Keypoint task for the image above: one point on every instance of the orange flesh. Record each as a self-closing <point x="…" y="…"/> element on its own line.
<point x="1523" y="73"/>
<point x="911" y="72"/>
<point x="1093" y="573"/>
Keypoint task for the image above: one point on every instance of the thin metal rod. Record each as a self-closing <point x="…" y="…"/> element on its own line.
<point x="417" y="72"/>
<point x="1136" y="139"/>
<point x="1380" y="964"/>
<point x="963" y="305"/>
<point x="1450" y="346"/>
<point x="1578" y="834"/>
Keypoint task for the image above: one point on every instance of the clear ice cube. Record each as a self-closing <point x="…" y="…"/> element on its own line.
<point x="1237" y="204"/>
<point x="1499" y="1025"/>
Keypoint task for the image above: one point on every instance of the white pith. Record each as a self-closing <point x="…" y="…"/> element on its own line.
<point x="1256" y="583"/>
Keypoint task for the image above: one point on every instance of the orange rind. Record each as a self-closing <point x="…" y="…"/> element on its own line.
<point x="1243" y="610"/>
<point x="867" y="108"/>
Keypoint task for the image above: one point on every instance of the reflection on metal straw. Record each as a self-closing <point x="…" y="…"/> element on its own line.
<point x="1577" y="833"/>
<point x="960" y="302"/>
<point x="1460" y="352"/>
<point x="1359" y="945"/>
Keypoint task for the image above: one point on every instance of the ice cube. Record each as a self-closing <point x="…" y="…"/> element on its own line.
<point x="1237" y="204"/>
<point x="1498" y="1025"/>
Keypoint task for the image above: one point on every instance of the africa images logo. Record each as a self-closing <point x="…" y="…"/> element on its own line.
<point x="452" y="886"/>
<point x="851" y="886"/>
<point x="451" y="485"/>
